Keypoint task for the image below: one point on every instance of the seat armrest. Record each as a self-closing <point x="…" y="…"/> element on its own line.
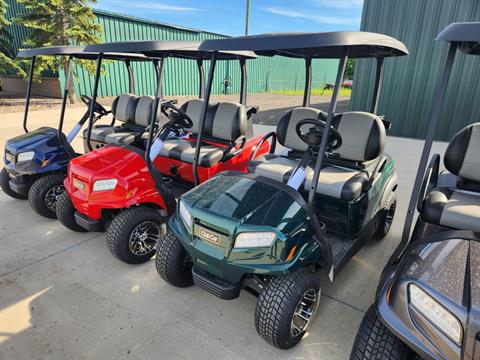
<point x="251" y="110"/>
<point x="235" y="148"/>
<point x="273" y="145"/>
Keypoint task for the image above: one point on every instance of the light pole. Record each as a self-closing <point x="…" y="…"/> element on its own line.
<point x="247" y="17"/>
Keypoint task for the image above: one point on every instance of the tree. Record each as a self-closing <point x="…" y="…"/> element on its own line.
<point x="58" y="22"/>
<point x="349" y="69"/>
<point x="7" y="52"/>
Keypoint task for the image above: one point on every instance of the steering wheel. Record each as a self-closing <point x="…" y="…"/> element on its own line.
<point x="178" y="117"/>
<point x="99" y="109"/>
<point x="314" y="135"/>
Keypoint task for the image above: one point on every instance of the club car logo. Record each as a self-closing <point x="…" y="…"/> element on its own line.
<point x="206" y="235"/>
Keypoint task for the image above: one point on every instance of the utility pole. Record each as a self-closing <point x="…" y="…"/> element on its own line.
<point x="247" y="17"/>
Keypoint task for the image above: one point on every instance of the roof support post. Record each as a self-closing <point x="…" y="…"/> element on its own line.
<point x="68" y="76"/>
<point x="201" y="77"/>
<point x="243" y="82"/>
<point x="29" y="93"/>
<point x="131" y="77"/>
<point x="434" y="120"/>
<point x="378" y="86"/>
<point x="94" y="99"/>
<point x="317" y="226"/>
<point x="308" y="82"/>
<point x="158" y="96"/>
<point x="203" y="118"/>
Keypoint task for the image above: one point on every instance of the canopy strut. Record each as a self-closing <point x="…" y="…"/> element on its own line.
<point x="201" y="77"/>
<point x="203" y="118"/>
<point x="29" y="93"/>
<point x="378" y="86"/>
<point x="243" y="82"/>
<point x="94" y="99"/>
<point x="68" y="76"/>
<point x="308" y="82"/>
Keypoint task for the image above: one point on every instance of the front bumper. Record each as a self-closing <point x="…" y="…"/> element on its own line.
<point x="93" y="225"/>
<point x="211" y="265"/>
<point x="20" y="183"/>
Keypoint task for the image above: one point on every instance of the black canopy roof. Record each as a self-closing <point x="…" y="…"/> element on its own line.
<point x="158" y="48"/>
<point x="78" y="52"/>
<point x="466" y="34"/>
<point x="314" y="45"/>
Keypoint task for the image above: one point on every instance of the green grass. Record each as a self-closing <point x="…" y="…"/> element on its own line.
<point x="316" y="91"/>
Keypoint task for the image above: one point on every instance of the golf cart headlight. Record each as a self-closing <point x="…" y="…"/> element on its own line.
<point x="254" y="239"/>
<point x="25" y="156"/>
<point x="436" y="313"/>
<point x="185" y="214"/>
<point x="107" y="184"/>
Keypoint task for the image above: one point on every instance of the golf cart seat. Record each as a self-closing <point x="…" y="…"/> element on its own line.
<point x="347" y="172"/>
<point x="226" y="122"/>
<point x="135" y="114"/>
<point x="458" y="207"/>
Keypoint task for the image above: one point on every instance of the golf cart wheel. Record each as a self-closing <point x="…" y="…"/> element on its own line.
<point x="172" y="262"/>
<point x="286" y="307"/>
<point x="386" y="218"/>
<point x="5" y="185"/>
<point x="66" y="213"/>
<point x="44" y="193"/>
<point x="375" y="341"/>
<point x="133" y="234"/>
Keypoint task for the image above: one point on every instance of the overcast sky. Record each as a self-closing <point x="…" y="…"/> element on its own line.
<point x="228" y="16"/>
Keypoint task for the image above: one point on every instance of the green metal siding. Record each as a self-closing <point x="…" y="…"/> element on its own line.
<point x="181" y="76"/>
<point x="410" y="82"/>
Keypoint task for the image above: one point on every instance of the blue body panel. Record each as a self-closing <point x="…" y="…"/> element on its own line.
<point x="45" y="144"/>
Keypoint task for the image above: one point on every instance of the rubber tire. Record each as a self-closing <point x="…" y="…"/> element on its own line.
<point x="277" y="303"/>
<point x="170" y="261"/>
<point x="5" y="185"/>
<point x="123" y="224"/>
<point x="380" y="233"/>
<point x="38" y="190"/>
<point x="375" y="342"/>
<point x="66" y="213"/>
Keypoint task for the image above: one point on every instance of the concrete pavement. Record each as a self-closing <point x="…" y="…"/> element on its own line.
<point x="63" y="296"/>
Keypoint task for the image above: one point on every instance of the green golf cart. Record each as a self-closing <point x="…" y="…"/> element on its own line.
<point x="272" y="230"/>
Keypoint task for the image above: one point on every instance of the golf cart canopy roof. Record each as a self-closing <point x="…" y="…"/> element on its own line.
<point x="466" y="34"/>
<point x="313" y="45"/>
<point x="79" y="53"/>
<point x="159" y="48"/>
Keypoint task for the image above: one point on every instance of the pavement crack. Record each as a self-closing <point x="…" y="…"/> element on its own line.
<point x="48" y="256"/>
<point x="344" y="303"/>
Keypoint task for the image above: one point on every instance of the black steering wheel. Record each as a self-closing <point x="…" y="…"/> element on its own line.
<point x="178" y="117"/>
<point x="97" y="108"/>
<point x="313" y="137"/>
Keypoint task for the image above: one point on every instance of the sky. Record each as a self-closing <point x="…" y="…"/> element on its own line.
<point x="228" y="16"/>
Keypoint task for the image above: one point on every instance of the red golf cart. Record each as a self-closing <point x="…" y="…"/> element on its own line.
<point x="131" y="191"/>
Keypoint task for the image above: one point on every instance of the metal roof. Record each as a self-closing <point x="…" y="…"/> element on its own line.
<point x="314" y="45"/>
<point x="78" y="52"/>
<point x="158" y="48"/>
<point x="467" y="34"/>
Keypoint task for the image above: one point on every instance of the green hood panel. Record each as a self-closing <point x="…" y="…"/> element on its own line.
<point x="248" y="202"/>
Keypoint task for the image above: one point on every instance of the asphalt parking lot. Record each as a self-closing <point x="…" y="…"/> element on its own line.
<point x="63" y="296"/>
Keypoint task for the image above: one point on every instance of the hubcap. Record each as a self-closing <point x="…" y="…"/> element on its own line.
<point x="52" y="196"/>
<point x="389" y="218"/>
<point x="304" y="312"/>
<point x="144" y="238"/>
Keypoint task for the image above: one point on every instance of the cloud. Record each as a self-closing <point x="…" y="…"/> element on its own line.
<point x="339" y="4"/>
<point x="111" y="5"/>
<point x="322" y="19"/>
